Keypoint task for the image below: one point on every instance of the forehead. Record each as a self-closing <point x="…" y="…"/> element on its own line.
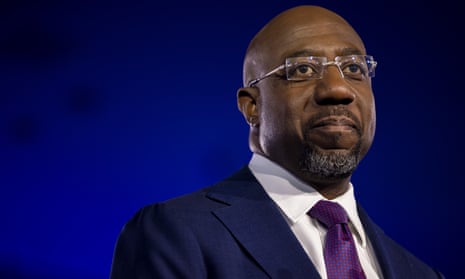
<point x="320" y="35"/>
<point x="328" y="39"/>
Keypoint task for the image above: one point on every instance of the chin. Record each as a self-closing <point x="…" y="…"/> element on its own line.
<point x="332" y="164"/>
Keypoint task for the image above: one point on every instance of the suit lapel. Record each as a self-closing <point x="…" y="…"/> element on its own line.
<point x="255" y="221"/>
<point x="392" y="261"/>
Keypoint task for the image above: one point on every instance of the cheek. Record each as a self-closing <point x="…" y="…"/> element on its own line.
<point x="279" y="116"/>
<point x="272" y="118"/>
<point x="373" y="123"/>
<point x="282" y="110"/>
<point x="371" y="119"/>
<point x="370" y="126"/>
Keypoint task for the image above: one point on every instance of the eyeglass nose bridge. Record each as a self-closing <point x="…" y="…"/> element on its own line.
<point x="335" y="63"/>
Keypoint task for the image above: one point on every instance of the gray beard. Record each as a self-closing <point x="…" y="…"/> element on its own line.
<point x="330" y="164"/>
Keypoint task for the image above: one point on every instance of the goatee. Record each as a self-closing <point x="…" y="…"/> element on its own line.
<point x="332" y="164"/>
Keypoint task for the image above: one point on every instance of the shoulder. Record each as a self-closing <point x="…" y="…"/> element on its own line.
<point x="414" y="266"/>
<point x="194" y="207"/>
<point x="158" y="234"/>
<point x="393" y="257"/>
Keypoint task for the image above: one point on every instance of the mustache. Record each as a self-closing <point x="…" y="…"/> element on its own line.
<point x="325" y="117"/>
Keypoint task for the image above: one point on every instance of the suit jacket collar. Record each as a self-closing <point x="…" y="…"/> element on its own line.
<point x="255" y="221"/>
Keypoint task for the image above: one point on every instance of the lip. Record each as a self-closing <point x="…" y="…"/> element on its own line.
<point x="335" y="123"/>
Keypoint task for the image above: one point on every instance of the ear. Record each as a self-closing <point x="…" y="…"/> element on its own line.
<point x="247" y="103"/>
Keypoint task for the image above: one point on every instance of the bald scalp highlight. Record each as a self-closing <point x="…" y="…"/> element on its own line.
<point x="257" y="60"/>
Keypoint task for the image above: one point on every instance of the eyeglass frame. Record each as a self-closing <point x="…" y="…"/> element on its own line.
<point x="336" y="62"/>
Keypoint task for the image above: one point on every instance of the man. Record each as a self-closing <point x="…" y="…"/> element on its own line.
<point x="308" y="100"/>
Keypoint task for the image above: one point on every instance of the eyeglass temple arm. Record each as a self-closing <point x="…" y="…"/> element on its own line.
<point x="257" y="80"/>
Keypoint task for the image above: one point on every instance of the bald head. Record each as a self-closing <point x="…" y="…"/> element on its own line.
<point x="290" y="30"/>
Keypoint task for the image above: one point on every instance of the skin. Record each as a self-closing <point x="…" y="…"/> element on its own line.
<point x="333" y="115"/>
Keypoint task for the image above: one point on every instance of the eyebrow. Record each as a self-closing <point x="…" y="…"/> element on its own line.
<point x="311" y="52"/>
<point x="351" y="51"/>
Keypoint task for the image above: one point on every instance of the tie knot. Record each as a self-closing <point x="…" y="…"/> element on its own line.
<point x="329" y="213"/>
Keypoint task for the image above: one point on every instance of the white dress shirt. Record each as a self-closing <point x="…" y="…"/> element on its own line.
<point x="295" y="198"/>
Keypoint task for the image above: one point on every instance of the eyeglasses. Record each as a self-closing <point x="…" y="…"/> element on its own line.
<point x="356" y="67"/>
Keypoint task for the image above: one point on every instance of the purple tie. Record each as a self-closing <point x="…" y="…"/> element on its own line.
<point x="339" y="249"/>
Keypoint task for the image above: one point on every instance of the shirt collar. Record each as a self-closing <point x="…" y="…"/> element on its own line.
<point x="295" y="198"/>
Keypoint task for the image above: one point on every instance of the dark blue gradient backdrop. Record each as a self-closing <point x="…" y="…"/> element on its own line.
<point x="107" y="106"/>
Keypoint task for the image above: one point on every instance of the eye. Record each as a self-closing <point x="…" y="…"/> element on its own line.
<point x="354" y="70"/>
<point x="302" y="71"/>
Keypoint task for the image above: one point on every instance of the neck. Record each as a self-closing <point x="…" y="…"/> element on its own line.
<point x="333" y="190"/>
<point x="327" y="187"/>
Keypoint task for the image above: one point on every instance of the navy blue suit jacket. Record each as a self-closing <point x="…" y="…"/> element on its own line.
<point x="233" y="230"/>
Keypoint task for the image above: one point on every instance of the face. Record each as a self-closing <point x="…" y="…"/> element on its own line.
<point x="317" y="129"/>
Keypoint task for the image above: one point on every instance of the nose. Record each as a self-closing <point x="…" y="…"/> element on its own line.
<point x="332" y="89"/>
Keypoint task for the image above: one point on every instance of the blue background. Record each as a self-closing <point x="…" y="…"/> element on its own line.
<point x="107" y="106"/>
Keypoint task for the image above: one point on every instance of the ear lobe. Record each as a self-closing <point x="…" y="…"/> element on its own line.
<point x="247" y="104"/>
